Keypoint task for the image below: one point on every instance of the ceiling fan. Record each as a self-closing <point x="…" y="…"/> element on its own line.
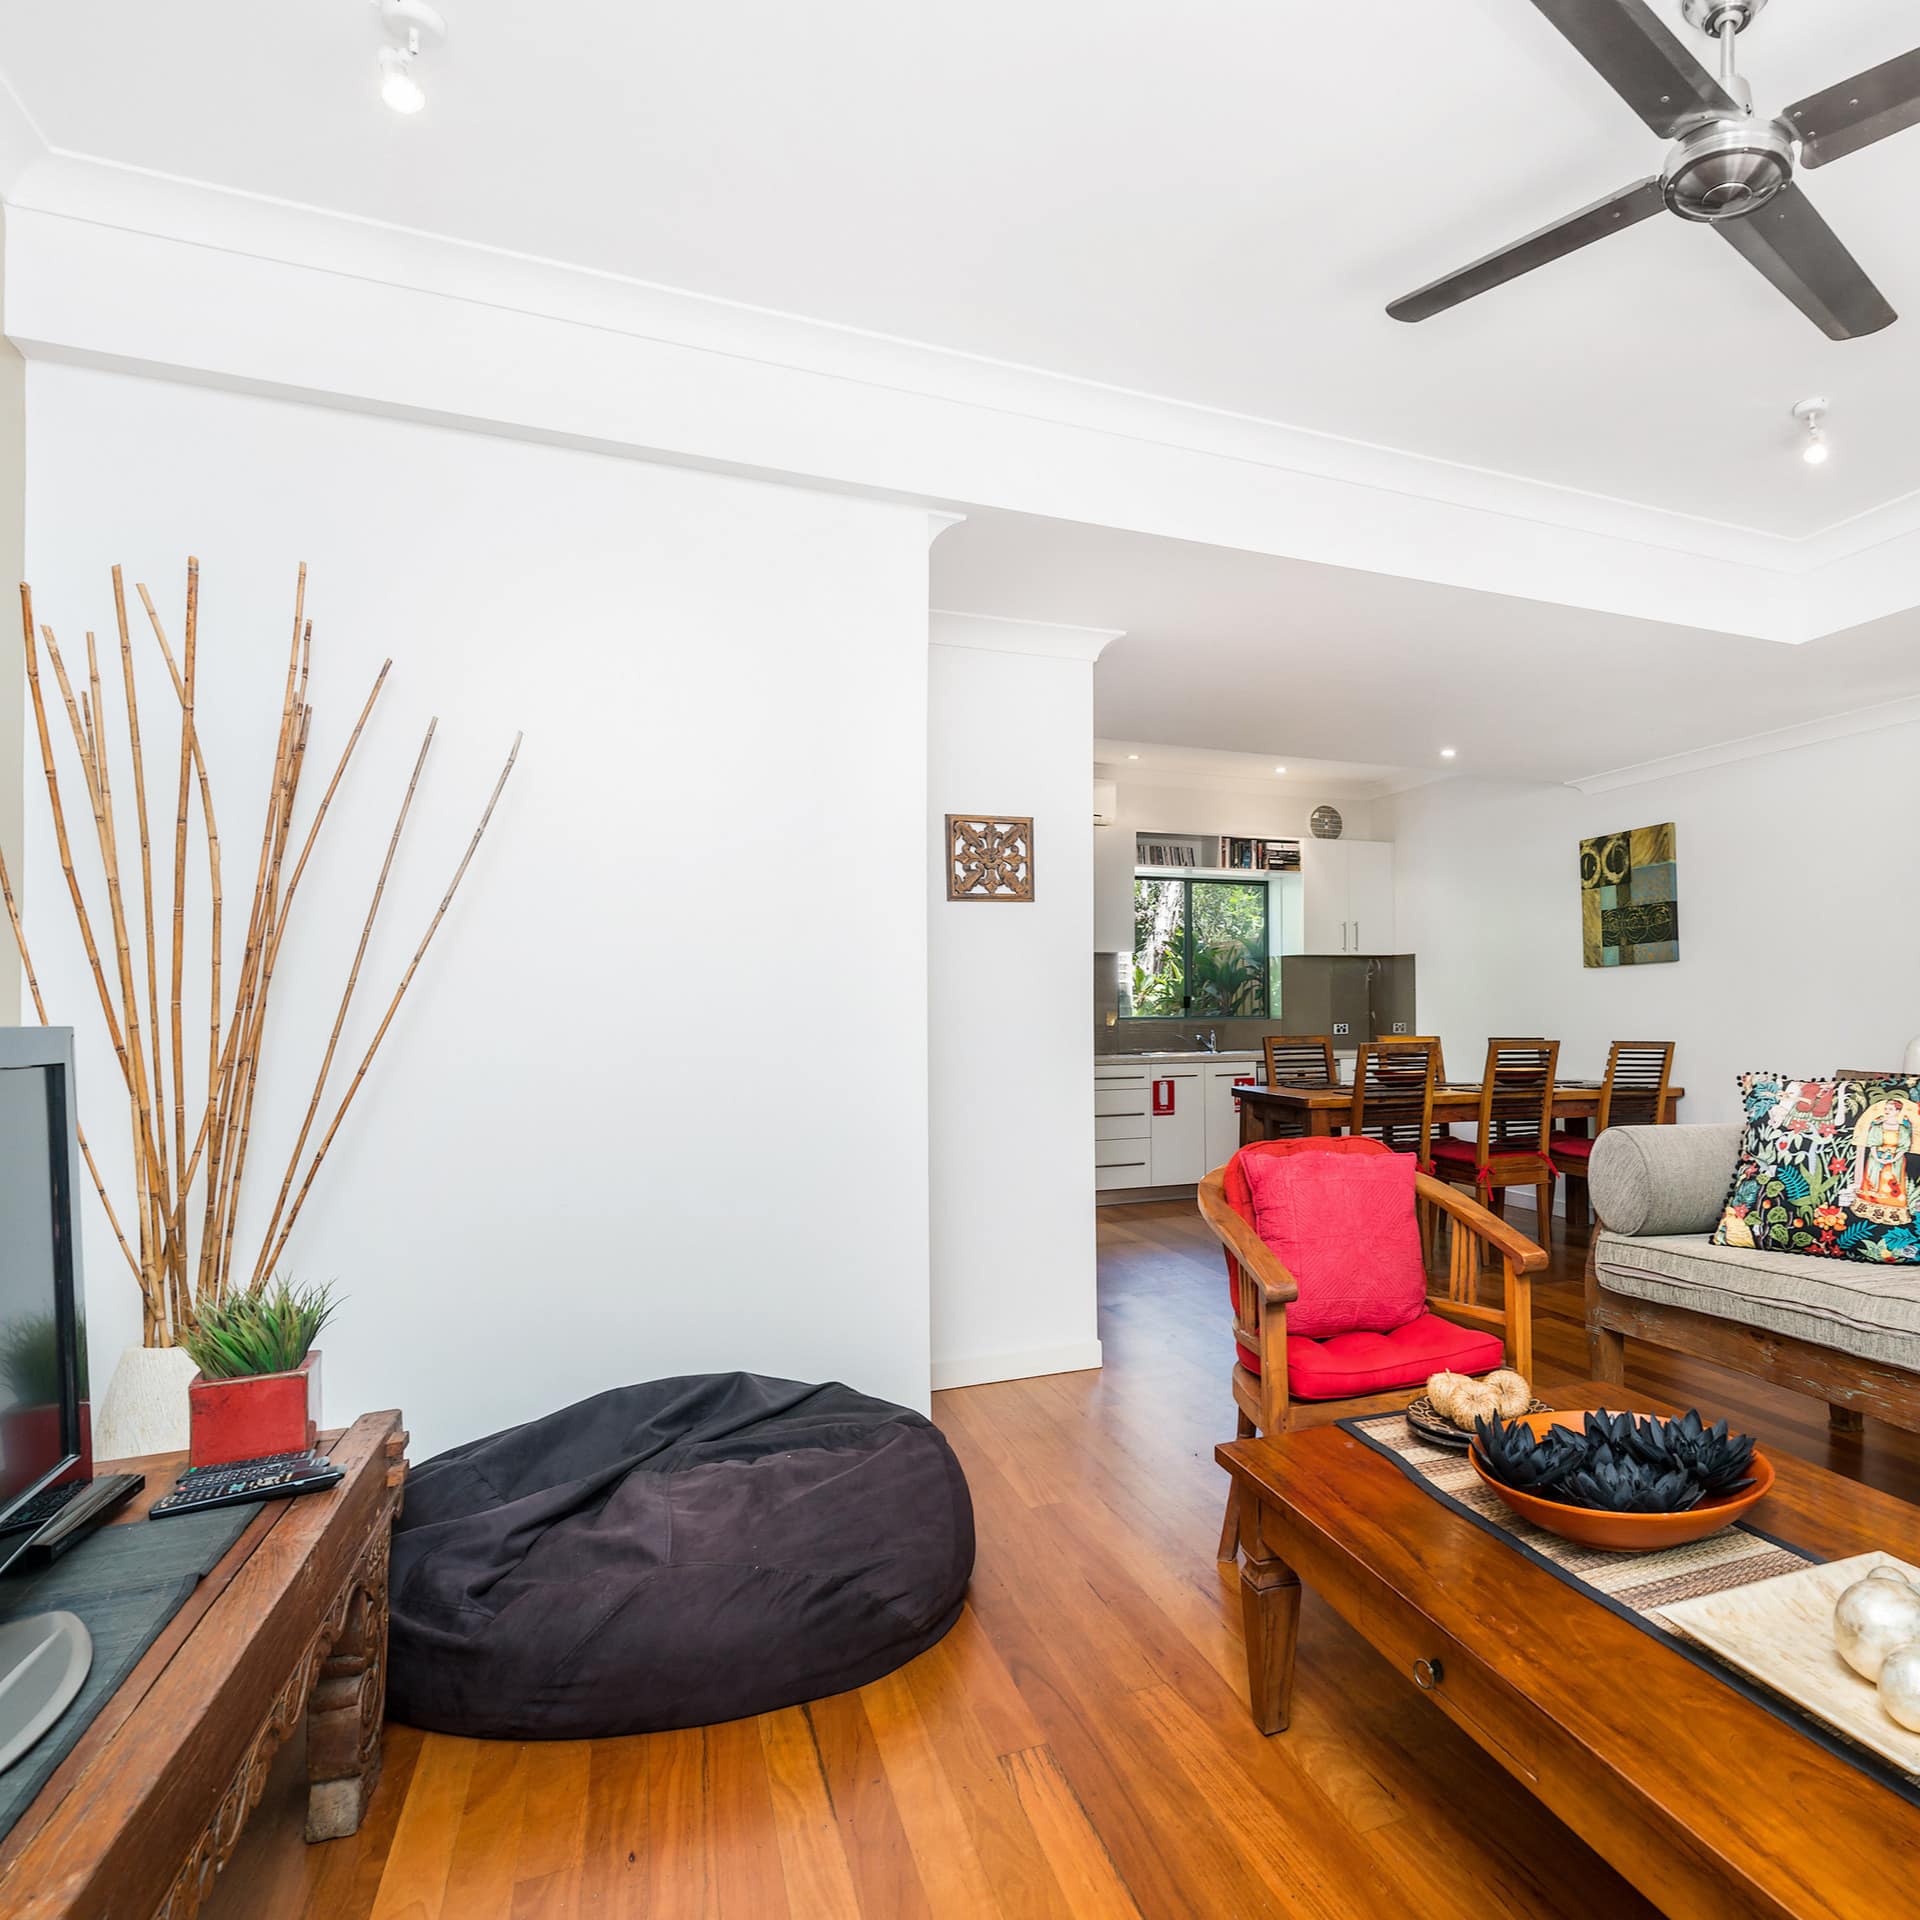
<point x="1726" y="168"/>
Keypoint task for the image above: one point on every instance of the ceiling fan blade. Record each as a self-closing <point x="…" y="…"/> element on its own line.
<point x="1578" y="230"/>
<point x="1646" y="65"/>
<point x="1852" y="114"/>
<point x="1796" y="249"/>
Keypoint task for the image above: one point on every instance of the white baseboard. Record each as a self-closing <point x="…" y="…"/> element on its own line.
<point x="979" y="1369"/>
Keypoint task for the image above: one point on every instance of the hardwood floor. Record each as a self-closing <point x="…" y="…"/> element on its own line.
<point x="1079" y="1745"/>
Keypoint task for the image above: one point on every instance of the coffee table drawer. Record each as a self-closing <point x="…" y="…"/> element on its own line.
<point x="1485" y="1706"/>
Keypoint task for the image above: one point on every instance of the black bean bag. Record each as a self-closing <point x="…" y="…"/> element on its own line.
<point x="673" y="1554"/>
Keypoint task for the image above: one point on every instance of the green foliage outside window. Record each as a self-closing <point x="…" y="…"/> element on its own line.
<point x="1199" y="949"/>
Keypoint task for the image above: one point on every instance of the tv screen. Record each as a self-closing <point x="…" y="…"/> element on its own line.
<point x="39" y="1348"/>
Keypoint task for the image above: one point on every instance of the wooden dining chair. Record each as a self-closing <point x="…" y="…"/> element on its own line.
<point x="1512" y="1144"/>
<point x="1634" y="1093"/>
<point x="1279" y="1384"/>
<point x="1304" y="1060"/>
<point x="1393" y="1083"/>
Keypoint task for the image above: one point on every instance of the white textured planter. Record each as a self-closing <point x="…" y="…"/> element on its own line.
<point x="144" y="1409"/>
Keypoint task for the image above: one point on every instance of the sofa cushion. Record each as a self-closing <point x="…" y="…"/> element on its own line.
<point x="1827" y="1167"/>
<point x="1871" y="1311"/>
<point x="1662" y="1179"/>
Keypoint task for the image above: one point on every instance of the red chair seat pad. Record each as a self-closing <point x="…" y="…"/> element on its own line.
<point x="1351" y="1364"/>
<point x="1577" y="1146"/>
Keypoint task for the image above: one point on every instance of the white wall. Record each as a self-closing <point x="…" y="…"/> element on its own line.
<point x="587" y="1153"/>
<point x="1799" y="920"/>
<point x="1012" y="1123"/>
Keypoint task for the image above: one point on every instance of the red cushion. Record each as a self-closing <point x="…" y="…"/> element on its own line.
<point x="1453" y="1149"/>
<point x="1345" y="1228"/>
<point x="1577" y="1145"/>
<point x="1351" y="1364"/>
<point x="1239" y="1196"/>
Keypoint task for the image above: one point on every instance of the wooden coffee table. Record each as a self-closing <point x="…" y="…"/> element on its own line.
<point x="1710" y="1805"/>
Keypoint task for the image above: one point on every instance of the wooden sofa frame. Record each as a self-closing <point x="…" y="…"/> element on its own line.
<point x="1851" y="1387"/>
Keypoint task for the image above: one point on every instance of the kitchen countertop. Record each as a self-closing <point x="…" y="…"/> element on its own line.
<point x="1226" y="1057"/>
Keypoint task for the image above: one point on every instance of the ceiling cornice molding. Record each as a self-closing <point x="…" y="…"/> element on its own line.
<point x="1261" y="486"/>
<point x="989" y="633"/>
<point x="140" y="200"/>
<point x="1756" y="746"/>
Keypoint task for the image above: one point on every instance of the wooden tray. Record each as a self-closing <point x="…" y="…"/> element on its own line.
<point x="1780" y="1633"/>
<point x="1443" y="1433"/>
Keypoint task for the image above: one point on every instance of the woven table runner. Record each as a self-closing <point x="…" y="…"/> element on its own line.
<point x="1633" y="1585"/>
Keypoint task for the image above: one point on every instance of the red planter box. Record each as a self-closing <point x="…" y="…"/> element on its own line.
<point x="243" y="1419"/>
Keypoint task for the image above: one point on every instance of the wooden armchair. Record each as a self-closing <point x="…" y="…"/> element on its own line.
<point x="1479" y="1244"/>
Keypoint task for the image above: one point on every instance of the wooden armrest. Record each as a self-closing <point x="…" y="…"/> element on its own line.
<point x="1277" y="1286"/>
<point x="1483" y="1225"/>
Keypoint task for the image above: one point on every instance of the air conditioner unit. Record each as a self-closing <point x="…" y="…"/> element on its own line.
<point x="1106" y="802"/>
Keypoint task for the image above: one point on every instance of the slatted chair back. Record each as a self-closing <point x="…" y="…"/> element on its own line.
<point x="1516" y="1098"/>
<point x="1393" y="1082"/>
<point x="1301" y="1060"/>
<point x="1634" y="1092"/>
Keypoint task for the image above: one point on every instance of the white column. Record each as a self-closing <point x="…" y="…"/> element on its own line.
<point x="1010" y="1007"/>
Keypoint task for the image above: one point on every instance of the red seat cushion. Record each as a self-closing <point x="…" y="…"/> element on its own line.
<point x="1346" y="1229"/>
<point x="1240" y="1196"/>
<point x="1453" y="1150"/>
<point x="1356" y="1363"/>
<point x="1577" y="1146"/>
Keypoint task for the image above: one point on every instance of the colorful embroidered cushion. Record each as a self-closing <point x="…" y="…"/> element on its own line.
<point x="1828" y="1167"/>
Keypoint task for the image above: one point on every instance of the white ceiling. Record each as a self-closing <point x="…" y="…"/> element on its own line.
<point x="1151" y="763"/>
<point x="1245" y="653"/>
<point x="1212" y="203"/>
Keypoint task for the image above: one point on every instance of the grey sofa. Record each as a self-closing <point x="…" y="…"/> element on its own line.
<point x="1845" y="1331"/>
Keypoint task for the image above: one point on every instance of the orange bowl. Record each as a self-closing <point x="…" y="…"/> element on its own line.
<point x="1624" y="1532"/>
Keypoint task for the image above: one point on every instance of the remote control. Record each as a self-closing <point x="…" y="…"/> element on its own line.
<point x="272" y="1477"/>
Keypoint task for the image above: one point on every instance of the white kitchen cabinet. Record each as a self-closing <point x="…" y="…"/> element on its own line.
<point x="1179" y="1125"/>
<point x="1223" y="1118"/>
<point x="1122" y="1130"/>
<point x="1347" y="896"/>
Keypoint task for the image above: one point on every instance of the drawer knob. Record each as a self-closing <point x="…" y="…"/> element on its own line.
<point x="1427" y="1674"/>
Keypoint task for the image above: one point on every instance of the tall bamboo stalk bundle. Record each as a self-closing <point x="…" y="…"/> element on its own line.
<point x="182" y="1247"/>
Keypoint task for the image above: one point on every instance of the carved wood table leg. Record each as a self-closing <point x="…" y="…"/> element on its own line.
<point x="346" y="1707"/>
<point x="1270" y="1619"/>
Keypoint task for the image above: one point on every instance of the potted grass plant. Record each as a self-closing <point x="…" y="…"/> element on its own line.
<point x="257" y="1388"/>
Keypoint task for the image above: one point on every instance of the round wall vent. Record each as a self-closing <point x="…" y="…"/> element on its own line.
<point x="1326" y="823"/>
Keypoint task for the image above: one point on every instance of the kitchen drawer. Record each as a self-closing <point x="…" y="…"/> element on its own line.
<point x="1133" y="1173"/>
<point x="1112" y="1102"/>
<point x="1490" y="1710"/>
<point x="1118" y="1153"/>
<point x="1122" y="1126"/>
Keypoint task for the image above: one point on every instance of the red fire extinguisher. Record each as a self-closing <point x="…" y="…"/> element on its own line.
<point x="1162" y="1098"/>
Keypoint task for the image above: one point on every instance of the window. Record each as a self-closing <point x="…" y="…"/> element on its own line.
<point x="1199" y="949"/>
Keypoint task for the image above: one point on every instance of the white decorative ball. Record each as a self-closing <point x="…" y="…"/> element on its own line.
<point x="1900" y="1684"/>
<point x="1870" y="1619"/>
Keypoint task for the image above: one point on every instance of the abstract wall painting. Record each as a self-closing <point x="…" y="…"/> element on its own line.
<point x="1629" y="913"/>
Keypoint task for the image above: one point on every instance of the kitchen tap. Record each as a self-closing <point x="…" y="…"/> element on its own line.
<point x="1209" y="1043"/>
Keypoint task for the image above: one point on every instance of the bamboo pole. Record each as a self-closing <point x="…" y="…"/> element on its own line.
<point x="393" y="1006"/>
<point x="40" y="1008"/>
<point x="346" y="1000"/>
<point x="149" y="1156"/>
<point x="224" y="1117"/>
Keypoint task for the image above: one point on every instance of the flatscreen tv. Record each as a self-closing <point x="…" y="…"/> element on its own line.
<point x="45" y="1431"/>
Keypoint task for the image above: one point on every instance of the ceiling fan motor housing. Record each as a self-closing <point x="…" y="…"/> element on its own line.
<point x="1728" y="168"/>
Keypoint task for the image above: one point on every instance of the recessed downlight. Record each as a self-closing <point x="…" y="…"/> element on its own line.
<point x="1133" y="756"/>
<point x="1446" y="753"/>
<point x="1279" y="769"/>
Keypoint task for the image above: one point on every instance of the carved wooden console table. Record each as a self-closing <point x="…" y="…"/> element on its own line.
<point x="142" y="1814"/>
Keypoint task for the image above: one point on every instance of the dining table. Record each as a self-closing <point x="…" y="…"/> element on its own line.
<point x="1289" y="1109"/>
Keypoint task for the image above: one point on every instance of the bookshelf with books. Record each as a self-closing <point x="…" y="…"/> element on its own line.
<point x="1215" y="853"/>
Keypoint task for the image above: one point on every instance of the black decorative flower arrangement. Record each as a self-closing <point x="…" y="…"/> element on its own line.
<point x="1618" y="1464"/>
